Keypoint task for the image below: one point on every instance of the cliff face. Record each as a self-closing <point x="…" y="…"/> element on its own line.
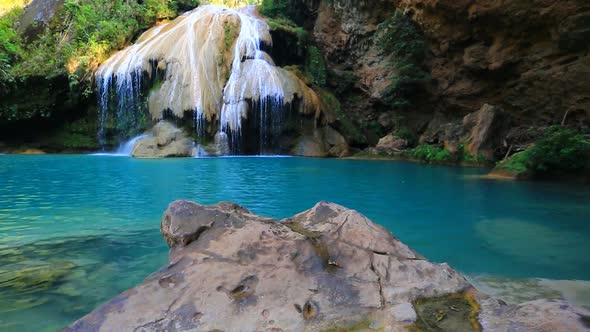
<point x="528" y="58"/>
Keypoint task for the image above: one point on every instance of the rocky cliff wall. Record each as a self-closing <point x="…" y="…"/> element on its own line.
<point x="527" y="58"/>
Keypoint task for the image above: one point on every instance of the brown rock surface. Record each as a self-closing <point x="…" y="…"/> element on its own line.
<point x="528" y="58"/>
<point x="167" y="141"/>
<point x="327" y="267"/>
<point x="322" y="142"/>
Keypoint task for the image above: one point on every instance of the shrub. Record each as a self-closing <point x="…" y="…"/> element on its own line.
<point x="464" y="154"/>
<point x="277" y="8"/>
<point x="559" y="150"/>
<point x="286" y="25"/>
<point x="94" y="29"/>
<point x="431" y="153"/>
<point x="517" y="163"/>
<point x="10" y="47"/>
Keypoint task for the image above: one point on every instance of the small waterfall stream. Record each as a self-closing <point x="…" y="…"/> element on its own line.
<point x="127" y="148"/>
<point x="209" y="61"/>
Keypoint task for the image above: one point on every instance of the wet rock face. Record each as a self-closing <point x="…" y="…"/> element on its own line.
<point x="166" y="141"/>
<point x="327" y="267"/>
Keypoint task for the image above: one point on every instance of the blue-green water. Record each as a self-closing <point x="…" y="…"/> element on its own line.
<point x="77" y="230"/>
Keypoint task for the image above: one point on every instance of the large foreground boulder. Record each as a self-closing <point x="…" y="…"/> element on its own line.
<point x="326" y="268"/>
<point x="166" y="141"/>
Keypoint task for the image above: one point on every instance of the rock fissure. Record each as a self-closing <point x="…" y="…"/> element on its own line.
<point x="340" y="227"/>
<point x="379" y="283"/>
<point x="154" y="322"/>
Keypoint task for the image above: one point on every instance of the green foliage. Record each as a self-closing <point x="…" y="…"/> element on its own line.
<point x="345" y="125"/>
<point x="184" y="5"/>
<point x="230" y="34"/>
<point x="407" y="134"/>
<point x="286" y="25"/>
<point x="559" y="150"/>
<point x="517" y="163"/>
<point x="235" y="3"/>
<point x="293" y="10"/>
<point x="10" y="47"/>
<point x="80" y="134"/>
<point x="278" y="9"/>
<point x="316" y="66"/>
<point x="432" y="153"/>
<point x="84" y="34"/>
<point x="399" y="37"/>
<point x="465" y="156"/>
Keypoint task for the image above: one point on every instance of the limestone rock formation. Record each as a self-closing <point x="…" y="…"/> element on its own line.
<point x="322" y="142"/>
<point x="482" y="128"/>
<point x="389" y="145"/>
<point x="480" y="132"/>
<point x="166" y="141"/>
<point x="328" y="267"/>
<point x="213" y="68"/>
<point x="528" y="58"/>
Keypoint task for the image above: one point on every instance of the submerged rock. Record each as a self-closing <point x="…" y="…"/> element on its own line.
<point x="326" y="268"/>
<point x="167" y="141"/>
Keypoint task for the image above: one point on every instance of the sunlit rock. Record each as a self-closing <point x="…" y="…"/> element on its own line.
<point x="327" y="268"/>
<point x="166" y="141"/>
<point x="209" y="62"/>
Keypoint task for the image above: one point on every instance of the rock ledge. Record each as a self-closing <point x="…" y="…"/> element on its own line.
<point x="328" y="267"/>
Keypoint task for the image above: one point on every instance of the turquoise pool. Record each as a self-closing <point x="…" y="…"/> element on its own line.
<point x="77" y="230"/>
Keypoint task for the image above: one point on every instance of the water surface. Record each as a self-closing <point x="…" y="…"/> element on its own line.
<point x="77" y="230"/>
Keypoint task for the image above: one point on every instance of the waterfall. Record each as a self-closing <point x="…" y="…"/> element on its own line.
<point x="199" y="151"/>
<point x="126" y="148"/>
<point x="209" y="61"/>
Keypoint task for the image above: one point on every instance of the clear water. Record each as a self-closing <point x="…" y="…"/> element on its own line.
<point x="77" y="230"/>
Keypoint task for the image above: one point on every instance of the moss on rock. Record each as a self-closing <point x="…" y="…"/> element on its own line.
<point x="455" y="312"/>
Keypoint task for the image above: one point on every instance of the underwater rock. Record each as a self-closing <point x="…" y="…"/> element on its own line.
<point x="167" y="141"/>
<point x="326" y="268"/>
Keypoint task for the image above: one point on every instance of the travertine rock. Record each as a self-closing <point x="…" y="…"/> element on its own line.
<point x="327" y="267"/>
<point x="167" y="141"/>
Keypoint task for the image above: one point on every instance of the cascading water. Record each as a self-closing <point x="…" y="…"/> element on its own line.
<point x="209" y="61"/>
<point x="127" y="148"/>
